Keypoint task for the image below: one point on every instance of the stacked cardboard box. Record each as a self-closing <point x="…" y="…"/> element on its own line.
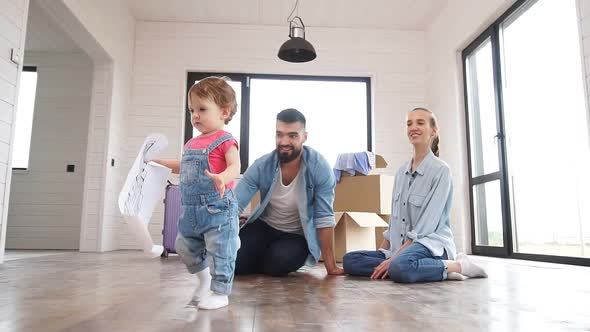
<point x="362" y="207"/>
<point x="380" y="229"/>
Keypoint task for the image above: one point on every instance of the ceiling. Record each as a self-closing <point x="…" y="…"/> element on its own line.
<point x="44" y="34"/>
<point x="373" y="14"/>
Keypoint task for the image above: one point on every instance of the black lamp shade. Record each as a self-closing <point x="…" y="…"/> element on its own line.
<point x="297" y="49"/>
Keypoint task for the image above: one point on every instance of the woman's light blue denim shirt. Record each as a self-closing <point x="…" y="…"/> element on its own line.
<point x="421" y="206"/>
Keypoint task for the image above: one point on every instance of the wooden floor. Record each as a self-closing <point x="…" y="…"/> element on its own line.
<point x="123" y="291"/>
<point x="14" y="254"/>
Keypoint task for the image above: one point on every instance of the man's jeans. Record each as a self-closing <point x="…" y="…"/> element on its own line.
<point x="269" y="251"/>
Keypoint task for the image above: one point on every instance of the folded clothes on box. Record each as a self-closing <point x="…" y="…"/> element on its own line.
<point x="351" y="163"/>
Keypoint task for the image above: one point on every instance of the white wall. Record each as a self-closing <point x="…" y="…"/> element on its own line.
<point x="13" y="22"/>
<point x="46" y="201"/>
<point x="164" y="52"/>
<point x="408" y="69"/>
<point x="109" y="28"/>
<point x="105" y="30"/>
<point x="460" y="22"/>
<point x="584" y="17"/>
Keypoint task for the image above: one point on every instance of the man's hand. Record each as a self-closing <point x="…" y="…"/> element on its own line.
<point x="218" y="180"/>
<point x="335" y="271"/>
<point x="326" y="237"/>
<point x="381" y="270"/>
<point x="243" y="219"/>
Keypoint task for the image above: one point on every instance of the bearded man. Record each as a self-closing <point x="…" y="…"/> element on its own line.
<point x="294" y="223"/>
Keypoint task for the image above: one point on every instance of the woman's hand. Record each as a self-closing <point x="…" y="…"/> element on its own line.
<point x="381" y="270"/>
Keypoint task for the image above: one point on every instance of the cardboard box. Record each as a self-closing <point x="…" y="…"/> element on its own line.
<point x="253" y="204"/>
<point x="379" y="231"/>
<point x="355" y="231"/>
<point x="380" y="161"/>
<point x="371" y="193"/>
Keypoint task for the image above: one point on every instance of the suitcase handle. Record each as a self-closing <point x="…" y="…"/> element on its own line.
<point x="167" y="186"/>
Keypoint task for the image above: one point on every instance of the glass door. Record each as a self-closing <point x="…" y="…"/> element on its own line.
<point x="485" y="136"/>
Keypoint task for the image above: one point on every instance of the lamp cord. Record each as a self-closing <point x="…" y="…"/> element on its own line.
<point x="294" y="8"/>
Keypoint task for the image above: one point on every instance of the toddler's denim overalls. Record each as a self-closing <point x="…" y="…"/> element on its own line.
<point x="208" y="226"/>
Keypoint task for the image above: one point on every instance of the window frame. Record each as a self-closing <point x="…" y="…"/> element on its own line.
<point x="245" y="78"/>
<point x="494" y="33"/>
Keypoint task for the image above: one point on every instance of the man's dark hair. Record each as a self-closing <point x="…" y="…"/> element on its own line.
<point x="291" y="115"/>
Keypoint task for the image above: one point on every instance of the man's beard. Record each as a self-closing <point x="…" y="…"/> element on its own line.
<point x="285" y="157"/>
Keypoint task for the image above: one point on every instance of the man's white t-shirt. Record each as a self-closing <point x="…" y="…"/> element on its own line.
<point x="282" y="212"/>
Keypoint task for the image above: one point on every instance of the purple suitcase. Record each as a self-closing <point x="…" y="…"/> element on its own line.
<point x="172" y="210"/>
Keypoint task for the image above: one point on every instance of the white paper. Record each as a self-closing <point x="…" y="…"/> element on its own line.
<point x="145" y="181"/>
<point x="139" y="228"/>
<point x="143" y="190"/>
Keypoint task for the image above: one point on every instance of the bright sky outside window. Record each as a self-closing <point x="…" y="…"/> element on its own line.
<point x="24" y="119"/>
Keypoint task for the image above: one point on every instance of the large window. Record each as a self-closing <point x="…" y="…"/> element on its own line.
<point x="337" y="111"/>
<point x="24" y="118"/>
<point x="528" y="135"/>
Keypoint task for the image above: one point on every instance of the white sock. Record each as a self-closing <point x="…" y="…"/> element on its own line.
<point x="204" y="283"/>
<point x="155" y="251"/>
<point x="213" y="301"/>
<point x="469" y="268"/>
<point x="455" y="276"/>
